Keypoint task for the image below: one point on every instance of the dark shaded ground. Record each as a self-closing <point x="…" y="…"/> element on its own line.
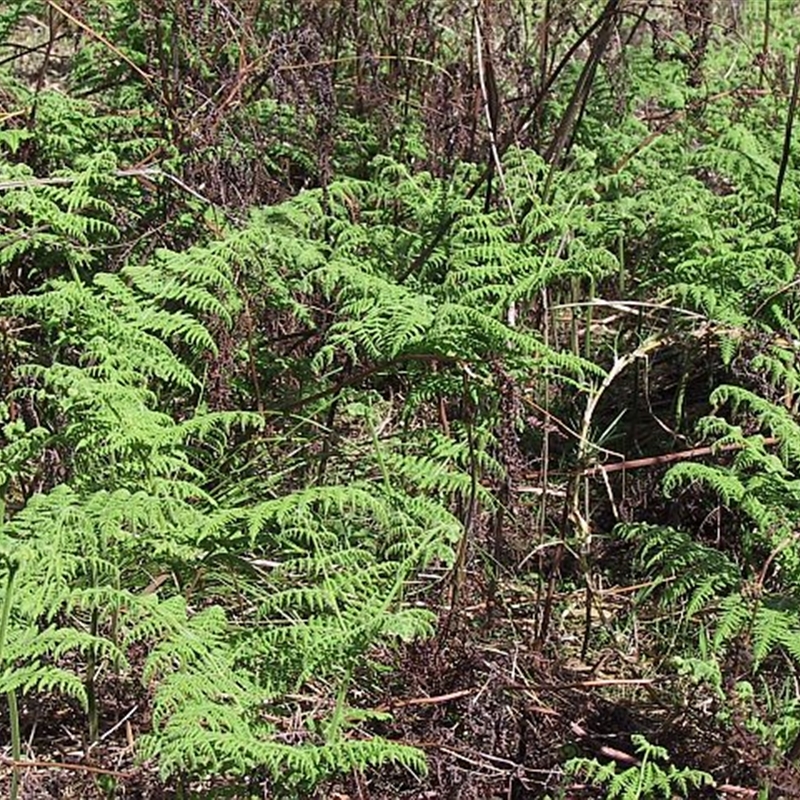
<point x="498" y="719"/>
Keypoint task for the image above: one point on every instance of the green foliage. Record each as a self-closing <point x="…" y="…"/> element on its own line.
<point x="114" y="351"/>
<point x="746" y="596"/>
<point x="690" y="573"/>
<point x="647" y="779"/>
<point x="274" y="342"/>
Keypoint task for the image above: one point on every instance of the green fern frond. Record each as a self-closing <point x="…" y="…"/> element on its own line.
<point x="724" y="483"/>
<point x="735" y="613"/>
<point x="693" y="574"/>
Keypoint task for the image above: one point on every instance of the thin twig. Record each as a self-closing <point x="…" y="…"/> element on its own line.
<point x="787" y="136"/>
<point x="589" y="683"/>
<point x="425" y="701"/>
<point x="117" y="726"/>
<point x="25" y="764"/>
<point x="102" y="39"/>
<point x="653" y="461"/>
<point x="620" y="756"/>
<point x="491" y="104"/>
<point x="146" y="172"/>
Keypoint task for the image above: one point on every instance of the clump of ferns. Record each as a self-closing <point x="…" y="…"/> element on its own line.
<point x="651" y="776"/>
<point x="750" y="598"/>
<point x="70" y="564"/>
<point x="344" y="553"/>
<point x="333" y="563"/>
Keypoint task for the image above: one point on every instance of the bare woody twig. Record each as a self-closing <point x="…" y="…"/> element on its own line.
<point x="425" y="701"/>
<point x="134" y="172"/>
<point x="148" y="79"/>
<point x="653" y="461"/>
<point x="25" y="764"/>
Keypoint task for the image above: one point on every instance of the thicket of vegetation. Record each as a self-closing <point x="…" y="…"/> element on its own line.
<point x="399" y="399"/>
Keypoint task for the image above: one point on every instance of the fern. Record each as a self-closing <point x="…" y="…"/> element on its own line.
<point x="134" y="502"/>
<point x="647" y="779"/>
<point x="693" y="574"/>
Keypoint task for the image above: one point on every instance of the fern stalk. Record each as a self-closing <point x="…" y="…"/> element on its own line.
<point x="13" y="710"/>
<point x="765" y="41"/>
<point x="587" y="342"/>
<point x="91" y="692"/>
<point x="787" y="138"/>
<point x="16" y="742"/>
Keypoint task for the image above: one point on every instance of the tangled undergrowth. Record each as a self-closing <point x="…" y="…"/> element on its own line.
<point x="399" y="402"/>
